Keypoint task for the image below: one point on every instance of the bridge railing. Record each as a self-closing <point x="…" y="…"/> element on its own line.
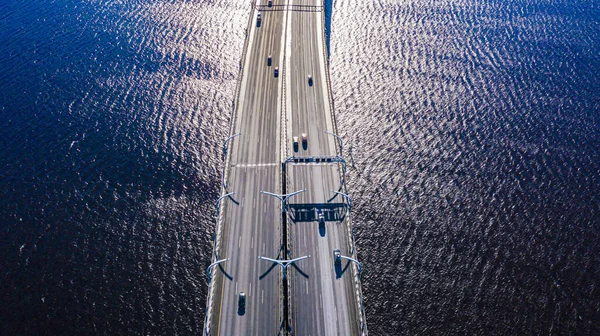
<point x="227" y="163"/>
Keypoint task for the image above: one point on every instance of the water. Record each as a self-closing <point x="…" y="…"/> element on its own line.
<point x="473" y="128"/>
<point x="475" y="132"/>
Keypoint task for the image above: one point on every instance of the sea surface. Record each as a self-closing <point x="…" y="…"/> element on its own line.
<point x="472" y="129"/>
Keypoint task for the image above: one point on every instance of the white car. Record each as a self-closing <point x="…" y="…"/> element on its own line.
<point x="295" y="143"/>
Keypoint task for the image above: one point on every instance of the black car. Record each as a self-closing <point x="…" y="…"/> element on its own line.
<point x="337" y="256"/>
<point x="242" y="300"/>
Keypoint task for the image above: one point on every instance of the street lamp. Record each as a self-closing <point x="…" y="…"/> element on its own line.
<point x="208" y="269"/>
<point x="225" y="144"/>
<point x="283" y="263"/>
<point x="345" y="195"/>
<point x="339" y="139"/>
<point x="283" y="198"/>
<point x="355" y="261"/>
<point x="220" y="198"/>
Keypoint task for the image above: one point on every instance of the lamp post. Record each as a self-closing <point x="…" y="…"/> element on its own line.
<point x="355" y="261"/>
<point x="225" y="144"/>
<point x="345" y="195"/>
<point x="283" y="263"/>
<point x="208" y="269"/>
<point x="283" y="198"/>
<point x="219" y="200"/>
<point x="339" y="139"/>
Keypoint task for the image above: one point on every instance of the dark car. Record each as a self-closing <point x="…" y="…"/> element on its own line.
<point x="337" y="256"/>
<point x="241" y="301"/>
<point x="276" y="72"/>
<point x="270" y="3"/>
<point x="269" y="60"/>
<point x="321" y="219"/>
<point x="310" y="81"/>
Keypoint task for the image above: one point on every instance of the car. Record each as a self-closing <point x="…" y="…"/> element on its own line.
<point x="269" y="60"/>
<point x="241" y="300"/>
<point x="310" y="81"/>
<point x="304" y="141"/>
<point x="295" y="141"/>
<point x="276" y="72"/>
<point x="270" y="3"/>
<point x="258" y="19"/>
<point x="337" y="256"/>
<point x="321" y="217"/>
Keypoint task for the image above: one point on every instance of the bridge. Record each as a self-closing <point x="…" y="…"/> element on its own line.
<point x="283" y="234"/>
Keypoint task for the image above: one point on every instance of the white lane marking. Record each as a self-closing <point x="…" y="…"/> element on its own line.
<point x="307" y="287"/>
<point x="240" y="242"/>
<point x="252" y="243"/>
<point x="255" y="165"/>
<point x="236" y="287"/>
<point x="250" y="291"/>
<point x="262" y="296"/>
<point x="254" y="203"/>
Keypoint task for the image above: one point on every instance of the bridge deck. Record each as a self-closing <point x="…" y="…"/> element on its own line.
<point x="270" y="111"/>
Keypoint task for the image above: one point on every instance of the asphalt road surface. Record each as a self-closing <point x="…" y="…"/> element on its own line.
<point x="270" y="109"/>
<point x="323" y="301"/>
<point x="252" y="227"/>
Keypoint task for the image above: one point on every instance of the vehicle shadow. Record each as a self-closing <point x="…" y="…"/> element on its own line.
<point x="322" y="230"/>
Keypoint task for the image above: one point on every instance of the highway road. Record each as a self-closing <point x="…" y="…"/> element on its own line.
<point x="323" y="299"/>
<point x="252" y="227"/>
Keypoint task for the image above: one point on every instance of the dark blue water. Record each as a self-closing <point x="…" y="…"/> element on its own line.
<point x="473" y="128"/>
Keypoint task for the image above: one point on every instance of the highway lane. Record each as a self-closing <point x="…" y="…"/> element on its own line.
<point x="323" y="300"/>
<point x="252" y="227"/>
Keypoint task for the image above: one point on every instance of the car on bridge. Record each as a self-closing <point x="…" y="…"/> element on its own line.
<point x="241" y="303"/>
<point x="276" y="72"/>
<point x="269" y="60"/>
<point x="321" y="218"/>
<point x="310" y="81"/>
<point x="337" y="256"/>
<point x="304" y="141"/>
<point x="295" y="143"/>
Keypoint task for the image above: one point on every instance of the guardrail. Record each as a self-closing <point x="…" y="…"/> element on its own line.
<point x="226" y="166"/>
<point x="357" y="281"/>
